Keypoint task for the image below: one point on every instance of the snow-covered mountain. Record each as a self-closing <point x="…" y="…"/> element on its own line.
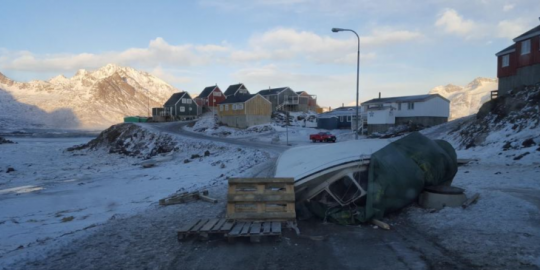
<point x="466" y="100"/>
<point x="90" y="99"/>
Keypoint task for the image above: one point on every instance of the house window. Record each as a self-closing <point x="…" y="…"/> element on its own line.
<point x="410" y="106"/>
<point x="234" y="107"/>
<point x="341" y="119"/>
<point x="183" y="101"/>
<point x="349" y="119"/>
<point x="189" y="101"/>
<point x="526" y="47"/>
<point x="506" y="60"/>
<point x="217" y="94"/>
<point x="182" y="109"/>
<point x="221" y="107"/>
<point x="226" y="107"/>
<point x="240" y="106"/>
<point x="399" y="106"/>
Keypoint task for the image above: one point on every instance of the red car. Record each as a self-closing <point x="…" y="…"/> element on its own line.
<point x="322" y="137"/>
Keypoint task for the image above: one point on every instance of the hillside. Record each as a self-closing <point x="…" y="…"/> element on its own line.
<point x="466" y="100"/>
<point x="506" y="128"/>
<point x="89" y="99"/>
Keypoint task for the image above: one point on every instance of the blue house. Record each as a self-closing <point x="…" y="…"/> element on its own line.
<point x="340" y="118"/>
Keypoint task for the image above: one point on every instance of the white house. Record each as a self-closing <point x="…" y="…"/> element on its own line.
<point x="426" y="110"/>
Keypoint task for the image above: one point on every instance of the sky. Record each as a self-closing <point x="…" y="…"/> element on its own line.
<point x="407" y="46"/>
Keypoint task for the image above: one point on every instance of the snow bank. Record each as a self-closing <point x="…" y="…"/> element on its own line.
<point x="207" y="125"/>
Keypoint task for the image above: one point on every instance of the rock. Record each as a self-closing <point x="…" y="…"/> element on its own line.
<point x="187" y="161"/>
<point x="507" y="146"/>
<point x="206" y="153"/>
<point x="528" y="142"/>
<point x="538" y="149"/>
<point x="222" y="165"/>
<point x="3" y="140"/>
<point x="498" y="173"/>
<point x="195" y="156"/>
<point x="9" y="169"/>
<point x="521" y="156"/>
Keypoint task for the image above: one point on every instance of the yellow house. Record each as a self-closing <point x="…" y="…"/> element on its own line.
<point x="244" y="110"/>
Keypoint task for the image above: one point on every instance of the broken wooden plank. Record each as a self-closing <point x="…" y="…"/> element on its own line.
<point x="471" y="200"/>
<point x="260" y="180"/>
<point x="380" y="224"/>
<point x="207" y="199"/>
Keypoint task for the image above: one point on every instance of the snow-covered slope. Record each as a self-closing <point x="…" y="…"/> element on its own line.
<point x="466" y="100"/>
<point x="90" y="99"/>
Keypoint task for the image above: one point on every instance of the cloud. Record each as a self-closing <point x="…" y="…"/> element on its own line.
<point x="157" y="53"/>
<point x="169" y="77"/>
<point x="288" y="44"/>
<point x="511" y="28"/>
<point x="453" y="23"/>
<point x="508" y="7"/>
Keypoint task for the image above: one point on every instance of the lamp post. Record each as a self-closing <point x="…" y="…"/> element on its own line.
<point x="335" y="30"/>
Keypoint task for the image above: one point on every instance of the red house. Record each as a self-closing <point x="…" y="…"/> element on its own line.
<point x="209" y="98"/>
<point x="519" y="64"/>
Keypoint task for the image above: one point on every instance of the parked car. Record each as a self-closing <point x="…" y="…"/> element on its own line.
<point x="322" y="137"/>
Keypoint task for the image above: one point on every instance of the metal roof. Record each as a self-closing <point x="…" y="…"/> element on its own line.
<point x="533" y="32"/>
<point x="206" y="92"/>
<point x="336" y="114"/>
<point x="238" y="98"/>
<point x="273" y="91"/>
<point x="174" y="99"/>
<point x="403" y="99"/>
<point x="232" y="89"/>
<point x="507" y="50"/>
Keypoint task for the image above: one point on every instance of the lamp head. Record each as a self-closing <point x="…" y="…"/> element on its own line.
<point x="335" y="30"/>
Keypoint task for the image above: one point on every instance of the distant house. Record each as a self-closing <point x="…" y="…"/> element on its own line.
<point x="236" y="89"/>
<point x="180" y="106"/>
<point x="383" y="113"/>
<point x="519" y="64"/>
<point x="209" y="98"/>
<point x="242" y="111"/>
<point x="336" y="119"/>
<point x="306" y="102"/>
<point x="282" y="99"/>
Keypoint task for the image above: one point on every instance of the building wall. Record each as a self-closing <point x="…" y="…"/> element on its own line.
<point x="524" y="76"/>
<point x="434" y="107"/>
<point x="327" y="123"/>
<point x="531" y="58"/>
<point x="377" y="117"/>
<point x="510" y="70"/>
<point x="425" y="121"/>
<point x="257" y="111"/>
<point x="216" y="95"/>
<point x="381" y="128"/>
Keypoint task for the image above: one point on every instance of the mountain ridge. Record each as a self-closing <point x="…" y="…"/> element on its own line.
<point x="96" y="99"/>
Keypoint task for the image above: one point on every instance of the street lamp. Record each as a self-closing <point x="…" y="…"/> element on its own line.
<point x="335" y="30"/>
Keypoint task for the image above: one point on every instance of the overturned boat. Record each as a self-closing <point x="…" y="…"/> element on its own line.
<point x="356" y="181"/>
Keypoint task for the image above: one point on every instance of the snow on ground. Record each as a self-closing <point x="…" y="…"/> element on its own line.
<point x="275" y="132"/>
<point x="55" y="196"/>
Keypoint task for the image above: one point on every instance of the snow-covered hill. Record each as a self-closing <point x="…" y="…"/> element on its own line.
<point x="90" y="99"/>
<point x="466" y="100"/>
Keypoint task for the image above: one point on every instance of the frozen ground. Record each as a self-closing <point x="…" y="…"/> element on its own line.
<point x="54" y="196"/>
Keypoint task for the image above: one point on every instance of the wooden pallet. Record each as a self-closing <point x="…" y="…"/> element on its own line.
<point x="204" y="228"/>
<point x="254" y="230"/>
<point x="261" y="199"/>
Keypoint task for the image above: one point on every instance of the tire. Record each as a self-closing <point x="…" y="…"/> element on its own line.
<point x="314" y="141"/>
<point x="334" y="140"/>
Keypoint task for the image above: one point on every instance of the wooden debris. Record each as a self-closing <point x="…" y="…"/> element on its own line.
<point x="380" y="224"/>
<point x="471" y="200"/>
<point x="187" y="197"/>
<point x="206" y="228"/>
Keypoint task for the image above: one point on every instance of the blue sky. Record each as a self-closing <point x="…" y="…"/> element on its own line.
<point x="408" y="46"/>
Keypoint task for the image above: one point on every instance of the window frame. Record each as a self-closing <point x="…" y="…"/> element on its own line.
<point x="410" y="106"/>
<point x="527" y="41"/>
<point x="182" y="109"/>
<point x="505" y="61"/>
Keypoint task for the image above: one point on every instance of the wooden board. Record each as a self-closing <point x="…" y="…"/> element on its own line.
<point x="261" y="199"/>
